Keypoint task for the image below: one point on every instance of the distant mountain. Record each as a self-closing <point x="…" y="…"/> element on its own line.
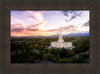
<point x="27" y="36"/>
<point x="67" y="35"/>
<point x="71" y="35"/>
<point x="77" y="34"/>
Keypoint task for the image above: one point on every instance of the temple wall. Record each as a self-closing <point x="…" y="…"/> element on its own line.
<point x="61" y="44"/>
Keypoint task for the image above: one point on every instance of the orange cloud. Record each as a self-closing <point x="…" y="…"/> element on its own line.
<point x="19" y="25"/>
<point x="36" y="32"/>
<point x="32" y="30"/>
<point x="36" y="26"/>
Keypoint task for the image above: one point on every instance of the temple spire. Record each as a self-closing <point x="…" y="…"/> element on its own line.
<point x="60" y="35"/>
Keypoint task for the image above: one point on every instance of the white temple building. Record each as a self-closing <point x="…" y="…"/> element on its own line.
<point x="60" y="43"/>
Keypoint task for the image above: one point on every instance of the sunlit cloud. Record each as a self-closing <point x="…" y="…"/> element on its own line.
<point x="30" y="18"/>
<point x="33" y="32"/>
<point x="38" y="25"/>
<point x="18" y="22"/>
<point x="36" y="15"/>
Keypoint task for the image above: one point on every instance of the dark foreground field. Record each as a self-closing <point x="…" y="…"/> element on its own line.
<point x="37" y="50"/>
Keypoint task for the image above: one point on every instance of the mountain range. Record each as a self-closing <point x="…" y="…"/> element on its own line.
<point x="66" y="35"/>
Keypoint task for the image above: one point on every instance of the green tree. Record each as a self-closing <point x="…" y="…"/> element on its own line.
<point x="70" y="52"/>
<point x="54" y="51"/>
<point x="40" y="54"/>
<point x="58" y="56"/>
<point x="40" y="47"/>
<point x="75" y="59"/>
<point x="16" y="50"/>
<point x="63" y="61"/>
<point x="49" y="57"/>
<point x="63" y="53"/>
<point x="85" y="55"/>
<point x="31" y="46"/>
<point x="22" y="48"/>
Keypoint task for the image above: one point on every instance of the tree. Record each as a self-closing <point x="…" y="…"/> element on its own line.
<point x="80" y="59"/>
<point x="49" y="57"/>
<point x="70" y="52"/>
<point x="22" y="48"/>
<point x="63" y="53"/>
<point x="85" y="55"/>
<point x="75" y="59"/>
<point x="27" y="47"/>
<point x="51" y="51"/>
<point x="58" y="57"/>
<point x="76" y="51"/>
<point x="31" y="59"/>
<point x="54" y="51"/>
<point x="31" y="46"/>
<point x="63" y="61"/>
<point x="16" y="50"/>
<point x="46" y="50"/>
<point x="40" y="47"/>
<point x="40" y="54"/>
<point x="36" y="45"/>
<point x="35" y="55"/>
<point x="75" y="43"/>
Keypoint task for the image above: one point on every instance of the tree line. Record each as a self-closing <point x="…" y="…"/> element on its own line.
<point x="55" y="55"/>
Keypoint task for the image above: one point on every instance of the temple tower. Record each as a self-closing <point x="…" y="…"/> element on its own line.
<point x="60" y="35"/>
<point x="60" y="43"/>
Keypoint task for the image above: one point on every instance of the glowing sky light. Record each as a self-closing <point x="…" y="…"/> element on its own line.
<point x="47" y="23"/>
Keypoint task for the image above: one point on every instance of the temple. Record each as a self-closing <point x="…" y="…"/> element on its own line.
<point x="60" y="43"/>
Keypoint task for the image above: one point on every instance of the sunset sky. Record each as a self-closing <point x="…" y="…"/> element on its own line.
<point x="47" y="23"/>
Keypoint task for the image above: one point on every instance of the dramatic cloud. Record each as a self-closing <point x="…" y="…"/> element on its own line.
<point x="30" y="18"/>
<point x="35" y="26"/>
<point x="17" y="29"/>
<point x="86" y="24"/>
<point x="35" y="16"/>
<point x="33" y="31"/>
<point x="18" y="21"/>
<point x="71" y="14"/>
<point x="65" y="29"/>
<point x="69" y="29"/>
<point x="46" y="23"/>
<point x="19" y="25"/>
